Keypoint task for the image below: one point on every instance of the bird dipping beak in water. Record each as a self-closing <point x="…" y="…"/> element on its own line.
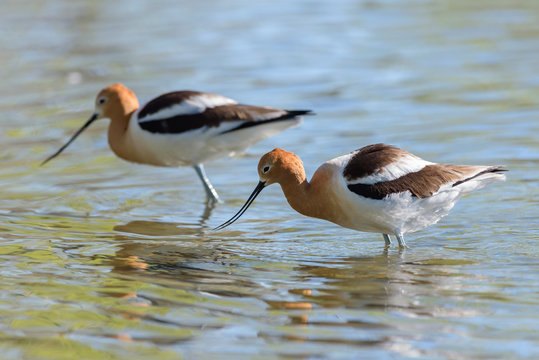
<point x="378" y="188"/>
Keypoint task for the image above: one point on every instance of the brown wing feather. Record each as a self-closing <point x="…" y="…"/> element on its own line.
<point x="369" y="159"/>
<point x="421" y="184"/>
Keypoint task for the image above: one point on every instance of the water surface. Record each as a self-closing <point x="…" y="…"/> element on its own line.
<point x="106" y="259"/>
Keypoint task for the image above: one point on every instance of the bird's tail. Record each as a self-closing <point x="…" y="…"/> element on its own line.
<point x="482" y="177"/>
<point x="294" y="113"/>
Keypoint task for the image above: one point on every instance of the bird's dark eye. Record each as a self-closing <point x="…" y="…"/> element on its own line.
<point x="265" y="169"/>
<point x="101" y="101"/>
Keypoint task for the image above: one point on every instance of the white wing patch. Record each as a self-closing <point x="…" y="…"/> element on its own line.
<point x="183" y="108"/>
<point x="195" y="104"/>
<point x="404" y="165"/>
<point x="208" y="100"/>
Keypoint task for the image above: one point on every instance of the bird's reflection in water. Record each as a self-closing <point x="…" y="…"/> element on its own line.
<point x="388" y="282"/>
<point x="155" y="228"/>
<point x="394" y="282"/>
<point x="177" y="251"/>
<point x="178" y="256"/>
<point x="368" y="293"/>
<point x="208" y="209"/>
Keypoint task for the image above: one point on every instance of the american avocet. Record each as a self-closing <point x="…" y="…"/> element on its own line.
<point x="378" y="188"/>
<point x="183" y="128"/>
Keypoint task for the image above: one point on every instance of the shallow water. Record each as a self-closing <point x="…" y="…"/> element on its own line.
<point x="106" y="259"/>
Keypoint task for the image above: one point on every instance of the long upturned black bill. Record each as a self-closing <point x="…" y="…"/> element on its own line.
<point x="90" y="120"/>
<point x="245" y="206"/>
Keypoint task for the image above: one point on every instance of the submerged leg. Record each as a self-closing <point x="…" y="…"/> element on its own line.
<point x="210" y="205"/>
<point x="210" y="191"/>
<point x="387" y="239"/>
<point x="400" y="238"/>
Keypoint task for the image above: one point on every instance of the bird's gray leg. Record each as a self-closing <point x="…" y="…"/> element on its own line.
<point x="210" y="191"/>
<point x="387" y="239"/>
<point x="400" y="238"/>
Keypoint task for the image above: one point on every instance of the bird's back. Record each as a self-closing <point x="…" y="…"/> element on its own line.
<point x="384" y="189"/>
<point x="189" y="127"/>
